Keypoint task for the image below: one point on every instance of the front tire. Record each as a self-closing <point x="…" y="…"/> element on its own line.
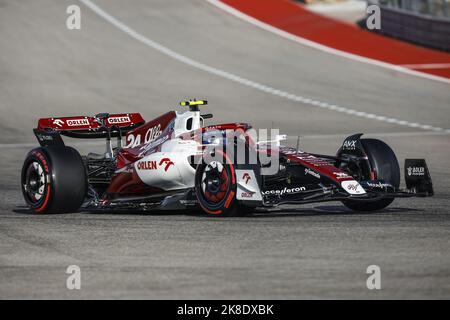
<point x="215" y="186"/>
<point x="54" y="180"/>
<point x="384" y="164"/>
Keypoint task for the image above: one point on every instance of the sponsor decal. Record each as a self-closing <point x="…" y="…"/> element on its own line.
<point x="312" y="172"/>
<point x="247" y="194"/>
<point x="341" y="175"/>
<point x="153" y="165"/>
<point x="284" y="191"/>
<point x="188" y="202"/>
<point x="118" y="120"/>
<point x="153" y="133"/>
<point x="150" y="135"/>
<point x="246" y="177"/>
<point x="349" y="145"/>
<point x="147" y="165"/>
<point x="77" y="122"/>
<point x="167" y="162"/>
<point x="378" y="185"/>
<point x="44" y="137"/>
<point x="416" y="171"/>
<point x="58" y="122"/>
<point x="353" y="187"/>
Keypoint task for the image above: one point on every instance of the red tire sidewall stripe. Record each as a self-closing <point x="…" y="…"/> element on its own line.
<point x="45" y="164"/>
<point x="233" y="182"/>
<point x="229" y="199"/>
<point x="47" y="197"/>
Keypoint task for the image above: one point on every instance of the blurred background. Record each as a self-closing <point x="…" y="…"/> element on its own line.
<point x="423" y="22"/>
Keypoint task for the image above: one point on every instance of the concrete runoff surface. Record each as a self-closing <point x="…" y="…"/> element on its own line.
<point x="312" y="251"/>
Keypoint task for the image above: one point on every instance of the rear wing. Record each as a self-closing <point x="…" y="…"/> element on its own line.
<point x="102" y="125"/>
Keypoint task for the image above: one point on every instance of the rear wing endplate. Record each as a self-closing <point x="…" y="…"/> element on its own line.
<point x="48" y="138"/>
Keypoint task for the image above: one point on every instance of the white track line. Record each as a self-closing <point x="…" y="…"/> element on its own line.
<point x="258" y="86"/>
<point x="427" y="66"/>
<point x="321" y="47"/>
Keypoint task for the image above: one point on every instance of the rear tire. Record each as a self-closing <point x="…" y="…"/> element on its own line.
<point x="384" y="163"/>
<point x="54" y="180"/>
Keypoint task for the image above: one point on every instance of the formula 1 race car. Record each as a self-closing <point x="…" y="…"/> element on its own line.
<point x="177" y="162"/>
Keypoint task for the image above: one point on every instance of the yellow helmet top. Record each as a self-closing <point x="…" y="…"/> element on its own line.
<point x="194" y="102"/>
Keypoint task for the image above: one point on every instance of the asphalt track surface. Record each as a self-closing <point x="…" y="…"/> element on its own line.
<point x="315" y="251"/>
